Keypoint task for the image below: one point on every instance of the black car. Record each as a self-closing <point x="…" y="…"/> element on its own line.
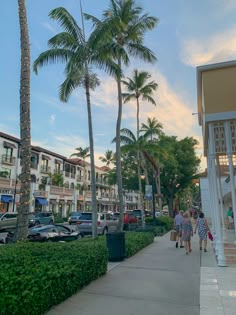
<point x="50" y="233"/>
<point x="54" y="233"/>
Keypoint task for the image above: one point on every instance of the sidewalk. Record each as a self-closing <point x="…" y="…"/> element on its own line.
<point x="160" y="279"/>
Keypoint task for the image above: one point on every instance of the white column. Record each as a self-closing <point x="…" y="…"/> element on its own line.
<point x="215" y="197"/>
<point x="220" y="194"/>
<point x="229" y="153"/>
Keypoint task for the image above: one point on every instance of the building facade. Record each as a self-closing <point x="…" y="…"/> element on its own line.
<point x="217" y="117"/>
<point x="58" y="183"/>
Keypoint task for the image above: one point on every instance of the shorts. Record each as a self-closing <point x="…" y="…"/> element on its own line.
<point x="231" y="220"/>
<point x="177" y="229"/>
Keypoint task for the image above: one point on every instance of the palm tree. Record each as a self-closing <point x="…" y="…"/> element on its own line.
<point x="108" y="158"/>
<point x="25" y="134"/>
<point x="79" y="55"/>
<point x="130" y="144"/>
<point x="139" y="87"/>
<point x="121" y="31"/>
<point x="151" y="128"/>
<point x="83" y="154"/>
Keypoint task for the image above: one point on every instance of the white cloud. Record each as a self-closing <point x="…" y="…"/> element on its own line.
<point x="52" y="119"/>
<point x="218" y="48"/>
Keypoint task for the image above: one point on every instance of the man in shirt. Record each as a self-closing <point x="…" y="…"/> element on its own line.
<point x="177" y="223"/>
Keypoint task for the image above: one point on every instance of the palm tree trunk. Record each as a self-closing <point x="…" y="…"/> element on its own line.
<point x="118" y="153"/>
<point x="25" y="135"/>
<point x="93" y="179"/>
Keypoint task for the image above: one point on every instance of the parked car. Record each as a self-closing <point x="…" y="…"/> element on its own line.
<point x="74" y="217"/>
<point x="8" y="221"/>
<point x="54" y="233"/>
<point x="40" y="218"/>
<point x="139" y="214"/>
<point x="129" y="219"/>
<point x="106" y="223"/>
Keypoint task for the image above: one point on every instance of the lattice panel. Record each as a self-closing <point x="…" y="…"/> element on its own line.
<point x="233" y="134"/>
<point x="219" y="134"/>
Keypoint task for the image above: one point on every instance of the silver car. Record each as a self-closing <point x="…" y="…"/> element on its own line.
<point x="8" y="221"/>
<point x="106" y="223"/>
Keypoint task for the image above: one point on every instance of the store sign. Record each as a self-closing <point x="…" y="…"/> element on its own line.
<point x="7" y="191"/>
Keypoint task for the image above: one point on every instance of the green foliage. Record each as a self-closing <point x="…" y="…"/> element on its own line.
<point x="36" y="276"/>
<point x="135" y="241"/>
<point x="162" y="221"/>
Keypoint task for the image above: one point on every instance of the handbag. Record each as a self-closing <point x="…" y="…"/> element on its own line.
<point x="210" y="236"/>
<point x="173" y="235"/>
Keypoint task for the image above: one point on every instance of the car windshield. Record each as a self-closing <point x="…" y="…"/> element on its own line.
<point x="42" y="228"/>
<point x="137" y="212"/>
<point x="1" y="214"/>
<point x="86" y="216"/>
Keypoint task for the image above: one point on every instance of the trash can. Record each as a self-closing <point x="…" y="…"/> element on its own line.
<point x="116" y="246"/>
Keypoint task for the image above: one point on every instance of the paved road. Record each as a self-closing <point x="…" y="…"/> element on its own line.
<point x="158" y="280"/>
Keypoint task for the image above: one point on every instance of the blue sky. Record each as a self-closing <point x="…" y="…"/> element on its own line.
<point x="189" y="33"/>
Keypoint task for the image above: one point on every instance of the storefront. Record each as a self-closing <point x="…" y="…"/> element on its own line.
<point x="40" y="204"/>
<point x="6" y="203"/>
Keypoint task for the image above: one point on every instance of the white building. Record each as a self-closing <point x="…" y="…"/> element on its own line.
<point x="46" y="167"/>
<point x="217" y="117"/>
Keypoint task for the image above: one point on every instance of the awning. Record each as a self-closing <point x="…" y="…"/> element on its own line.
<point x="42" y="201"/>
<point x="6" y="198"/>
<point x="9" y="145"/>
<point x="45" y="157"/>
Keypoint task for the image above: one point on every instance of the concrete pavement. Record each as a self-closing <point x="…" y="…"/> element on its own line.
<point x="160" y="279"/>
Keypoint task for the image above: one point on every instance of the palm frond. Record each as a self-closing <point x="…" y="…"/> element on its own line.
<point x="68" y="23"/>
<point x="51" y="56"/>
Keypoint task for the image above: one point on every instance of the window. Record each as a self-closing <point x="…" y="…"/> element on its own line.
<point x="89" y="175"/>
<point x="72" y="185"/>
<point x="7" y="155"/>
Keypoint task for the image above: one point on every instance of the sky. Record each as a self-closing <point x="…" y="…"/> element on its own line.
<point x="189" y="34"/>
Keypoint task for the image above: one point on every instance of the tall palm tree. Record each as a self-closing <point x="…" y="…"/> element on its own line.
<point x="108" y="158"/>
<point x="137" y="88"/>
<point x="83" y="154"/>
<point x="152" y="128"/>
<point x="79" y="55"/>
<point x="122" y="31"/>
<point x="25" y="134"/>
<point x="129" y="143"/>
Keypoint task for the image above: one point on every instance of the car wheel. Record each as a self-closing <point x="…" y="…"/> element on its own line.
<point x="105" y="231"/>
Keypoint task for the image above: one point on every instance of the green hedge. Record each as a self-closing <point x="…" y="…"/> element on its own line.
<point x="135" y="241"/>
<point x="36" y="276"/>
<point x="164" y="221"/>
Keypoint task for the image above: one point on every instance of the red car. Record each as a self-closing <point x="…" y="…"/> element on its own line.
<point x="129" y="218"/>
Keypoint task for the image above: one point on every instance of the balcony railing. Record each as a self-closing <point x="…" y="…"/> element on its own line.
<point x="9" y="160"/>
<point x="45" y="169"/>
<point x="56" y="171"/>
<point x="55" y="190"/>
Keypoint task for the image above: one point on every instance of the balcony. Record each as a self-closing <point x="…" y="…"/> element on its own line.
<point x="45" y="169"/>
<point x="80" y="178"/>
<point x="55" y="190"/>
<point x="72" y="175"/>
<point x="8" y="160"/>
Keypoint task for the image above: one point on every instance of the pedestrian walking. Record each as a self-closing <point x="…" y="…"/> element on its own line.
<point x="230" y="218"/>
<point x="203" y="228"/>
<point x="177" y="223"/>
<point x="186" y="230"/>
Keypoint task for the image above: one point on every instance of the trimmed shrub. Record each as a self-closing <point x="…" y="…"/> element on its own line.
<point x="135" y="241"/>
<point x="36" y="276"/>
<point x="164" y="221"/>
